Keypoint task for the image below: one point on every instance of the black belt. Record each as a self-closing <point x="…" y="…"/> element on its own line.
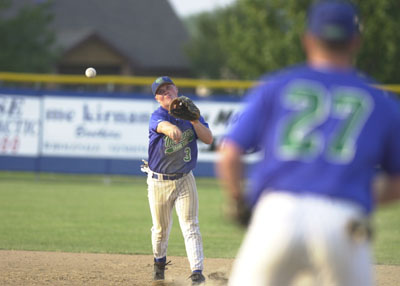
<point x="167" y="177"/>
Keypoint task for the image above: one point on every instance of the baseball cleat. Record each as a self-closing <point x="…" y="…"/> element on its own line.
<point x="159" y="268"/>
<point x="197" y="278"/>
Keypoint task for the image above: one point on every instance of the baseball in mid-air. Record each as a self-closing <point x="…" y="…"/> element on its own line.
<point x="90" y="72"/>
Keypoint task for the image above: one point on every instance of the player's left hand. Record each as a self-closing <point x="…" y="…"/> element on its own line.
<point x="183" y="107"/>
<point x="239" y="212"/>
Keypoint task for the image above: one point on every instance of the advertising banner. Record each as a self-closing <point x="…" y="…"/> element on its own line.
<point x="95" y="127"/>
<point x="115" y="128"/>
<point x="19" y="125"/>
<point x="218" y="115"/>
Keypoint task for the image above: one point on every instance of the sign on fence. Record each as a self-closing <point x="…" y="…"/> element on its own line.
<point x="91" y="127"/>
<point x="20" y="128"/>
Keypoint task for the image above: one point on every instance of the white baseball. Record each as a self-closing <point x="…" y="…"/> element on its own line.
<point x="90" y="72"/>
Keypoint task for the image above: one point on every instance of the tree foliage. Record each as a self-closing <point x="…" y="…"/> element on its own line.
<point x="204" y="50"/>
<point x="26" y="39"/>
<point x="380" y="52"/>
<point x="253" y="37"/>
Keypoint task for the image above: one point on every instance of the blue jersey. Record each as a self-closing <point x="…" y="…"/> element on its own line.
<point x="322" y="132"/>
<point x="166" y="156"/>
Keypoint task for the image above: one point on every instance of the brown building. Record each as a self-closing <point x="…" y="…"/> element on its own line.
<point x="120" y="37"/>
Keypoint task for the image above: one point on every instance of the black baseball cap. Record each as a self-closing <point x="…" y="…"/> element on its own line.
<point x="159" y="82"/>
<point x="333" y="20"/>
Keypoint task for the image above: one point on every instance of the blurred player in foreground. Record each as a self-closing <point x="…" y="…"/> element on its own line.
<point x="172" y="157"/>
<point x="324" y="132"/>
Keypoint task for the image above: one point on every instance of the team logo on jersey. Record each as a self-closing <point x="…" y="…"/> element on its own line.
<point x="172" y="147"/>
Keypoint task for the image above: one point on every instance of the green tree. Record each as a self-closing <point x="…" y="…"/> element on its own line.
<point x="26" y="39"/>
<point x="261" y="36"/>
<point x="252" y="37"/>
<point x="204" y="50"/>
<point x="380" y="52"/>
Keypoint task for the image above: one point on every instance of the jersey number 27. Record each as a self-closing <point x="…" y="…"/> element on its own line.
<point x="311" y="106"/>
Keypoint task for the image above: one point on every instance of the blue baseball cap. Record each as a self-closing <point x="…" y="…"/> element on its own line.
<point x="159" y="82"/>
<point x="333" y="20"/>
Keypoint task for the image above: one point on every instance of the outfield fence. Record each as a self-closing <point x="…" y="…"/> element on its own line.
<point x="91" y="132"/>
<point x="63" y="131"/>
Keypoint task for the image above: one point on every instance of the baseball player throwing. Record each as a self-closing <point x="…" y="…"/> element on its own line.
<point x="325" y="131"/>
<point x="172" y="157"/>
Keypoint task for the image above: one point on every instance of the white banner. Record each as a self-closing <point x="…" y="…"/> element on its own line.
<point x="92" y="127"/>
<point x="96" y="127"/>
<point x="19" y="125"/>
<point x="115" y="128"/>
<point x="217" y="114"/>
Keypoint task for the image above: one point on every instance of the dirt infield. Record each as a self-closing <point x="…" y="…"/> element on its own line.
<point x="58" y="268"/>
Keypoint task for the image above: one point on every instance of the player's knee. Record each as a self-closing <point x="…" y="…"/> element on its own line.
<point x="191" y="229"/>
<point x="159" y="232"/>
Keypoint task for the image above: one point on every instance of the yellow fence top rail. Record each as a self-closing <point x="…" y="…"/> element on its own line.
<point x="138" y="81"/>
<point x="122" y="80"/>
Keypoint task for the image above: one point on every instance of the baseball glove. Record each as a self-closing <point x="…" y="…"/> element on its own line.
<point x="183" y="107"/>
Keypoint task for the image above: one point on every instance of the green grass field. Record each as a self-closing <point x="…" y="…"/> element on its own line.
<point x="75" y="213"/>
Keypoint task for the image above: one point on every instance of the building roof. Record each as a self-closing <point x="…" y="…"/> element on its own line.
<point x="148" y="32"/>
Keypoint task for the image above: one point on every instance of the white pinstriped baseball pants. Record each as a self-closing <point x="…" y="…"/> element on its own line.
<point x="292" y="234"/>
<point x="163" y="196"/>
